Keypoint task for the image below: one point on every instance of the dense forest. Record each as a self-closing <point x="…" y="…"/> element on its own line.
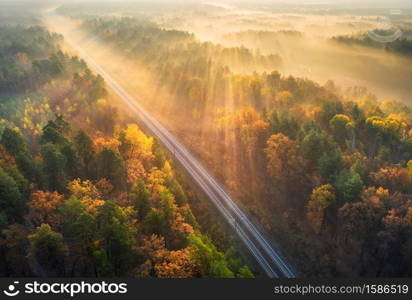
<point x="84" y="192"/>
<point x="401" y="46"/>
<point x="327" y="171"/>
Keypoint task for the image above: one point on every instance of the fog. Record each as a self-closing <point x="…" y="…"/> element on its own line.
<point x="371" y="3"/>
<point x="306" y="48"/>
